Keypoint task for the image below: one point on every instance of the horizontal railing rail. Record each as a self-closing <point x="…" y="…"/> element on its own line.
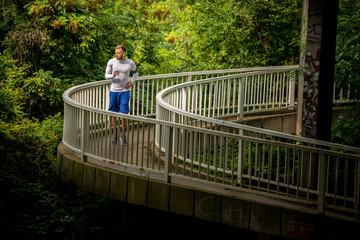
<point x="187" y="141"/>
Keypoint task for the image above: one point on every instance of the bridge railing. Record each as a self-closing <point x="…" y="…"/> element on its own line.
<point x="202" y="148"/>
<point x="232" y="95"/>
<point x="266" y="161"/>
<point x="144" y="90"/>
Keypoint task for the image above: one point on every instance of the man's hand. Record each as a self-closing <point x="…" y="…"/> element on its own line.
<point x="116" y="73"/>
<point x="128" y="85"/>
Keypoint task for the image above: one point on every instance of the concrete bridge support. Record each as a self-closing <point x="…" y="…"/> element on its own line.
<point x="317" y="60"/>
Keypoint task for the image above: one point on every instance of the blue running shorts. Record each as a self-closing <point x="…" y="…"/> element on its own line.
<point x="119" y="102"/>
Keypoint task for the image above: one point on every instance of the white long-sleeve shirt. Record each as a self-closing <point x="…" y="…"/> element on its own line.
<point x="119" y="82"/>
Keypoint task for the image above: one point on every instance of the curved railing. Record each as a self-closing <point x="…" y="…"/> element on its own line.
<point x="267" y="161"/>
<point x="187" y="141"/>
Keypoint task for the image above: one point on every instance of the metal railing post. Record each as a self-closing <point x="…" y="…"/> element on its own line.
<point x="168" y="153"/>
<point x="84" y="134"/>
<point x="189" y="78"/>
<point x="321" y="184"/>
<point x="292" y="89"/>
<point x="241" y="98"/>
<point x="357" y="186"/>
<point x="240" y="159"/>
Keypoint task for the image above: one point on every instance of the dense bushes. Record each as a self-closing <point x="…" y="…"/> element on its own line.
<point x="346" y="130"/>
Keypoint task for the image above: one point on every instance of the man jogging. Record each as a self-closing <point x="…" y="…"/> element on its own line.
<point x="118" y="69"/>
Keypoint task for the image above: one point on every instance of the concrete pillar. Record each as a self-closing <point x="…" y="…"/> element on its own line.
<point x="317" y="61"/>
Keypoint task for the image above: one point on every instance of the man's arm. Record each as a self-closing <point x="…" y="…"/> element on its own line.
<point x="135" y="71"/>
<point x="135" y="75"/>
<point x="108" y="71"/>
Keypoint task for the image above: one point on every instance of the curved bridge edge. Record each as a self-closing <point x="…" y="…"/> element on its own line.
<point x="192" y="202"/>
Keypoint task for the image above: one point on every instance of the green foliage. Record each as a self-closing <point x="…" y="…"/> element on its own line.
<point x="78" y="37"/>
<point x="229" y="34"/>
<point x="347" y="72"/>
<point x="7" y="107"/>
<point x="36" y="95"/>
<point x="30" y="146"/>
<point x="348" y="47"/>
<point x="44" y="93"/>
<point x="346" y="129"/>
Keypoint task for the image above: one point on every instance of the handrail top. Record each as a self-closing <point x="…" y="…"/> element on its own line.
<point x="213" y="79"/>
<point x="157" y="76"/>
<point x="294" y="67"/>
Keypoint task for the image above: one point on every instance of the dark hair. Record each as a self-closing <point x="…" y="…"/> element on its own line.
<point x="122" y="47"/>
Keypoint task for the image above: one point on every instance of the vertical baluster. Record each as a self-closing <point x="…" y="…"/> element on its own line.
<point x="146" y="104"/>
<point x="251" y="99"/>
<point x="271" y="90"/>
<point x="241" y="157"/>
<point x="160" y="145"/>
<point x="106" y="136"/>
<point x="287" y="89"/>
<point x="184" y="148"/>
<point x="246" y="92"/>
<point x="287" y="160"/>
<point x="234" y="88"/>
<point x="215" y="101"/>
<point x="153" y="159"/>
<point x="200" y="99"/>
<point x="309" y="177"/>
<point x="357" y="186"/>
<point x="321" y="183"/>
<point x="205" y="99"/>
<point x="293" y="168"/>
<point x="281" y="90"/>
<point x="142" y="143"/>
<point x="256" y="160"/>
<point x="346" y="177"/>
<point x="225" y="165"/>
<point x="210" y="99"/>
<point x="250" y="163"/>
<point x="233" y="161"/>
<point x="168" y="153"/>
<point x="269" y="168"/>
<point x="216" y="156"/>
<point x="113" y="130"/>
<point x="266" y="92"/>
<point x="258" y="92"/>
<point x="278" y="170"/>
<point x="209" y="155"/>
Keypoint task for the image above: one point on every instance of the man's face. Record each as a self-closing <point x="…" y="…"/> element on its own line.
<point x="119" y="54"/>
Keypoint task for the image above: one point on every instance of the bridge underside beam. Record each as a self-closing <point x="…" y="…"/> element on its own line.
<point x="317" y="60"/>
